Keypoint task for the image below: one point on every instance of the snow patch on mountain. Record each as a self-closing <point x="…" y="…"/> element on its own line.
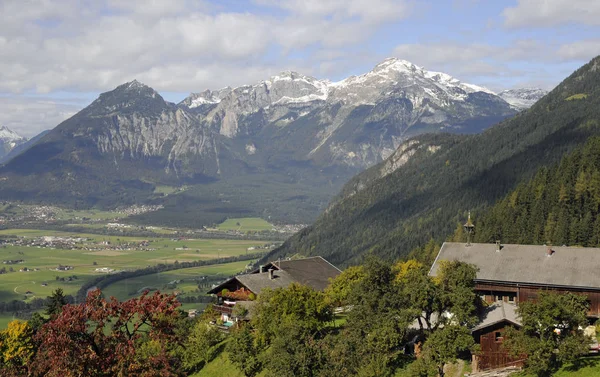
<point x="8" y="135"/>
<point x="524" y="98"/>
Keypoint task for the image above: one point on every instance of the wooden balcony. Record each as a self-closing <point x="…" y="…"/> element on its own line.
<point x="223" y="309"/>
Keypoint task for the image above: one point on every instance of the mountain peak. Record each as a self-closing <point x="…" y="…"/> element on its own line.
<point x="129" y="97"/>
<point x="136" y="87"/>
<point x="7" y="134"/>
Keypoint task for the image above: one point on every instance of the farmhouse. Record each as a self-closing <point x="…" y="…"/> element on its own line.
<point x="241" y="290"/>
<point x="509" y="274"/>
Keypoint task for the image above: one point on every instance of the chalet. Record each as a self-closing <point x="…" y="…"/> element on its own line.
<point x="510" y="274"/>
<point x="314" y="272"/>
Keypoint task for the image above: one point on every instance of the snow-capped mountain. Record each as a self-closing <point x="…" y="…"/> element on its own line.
<point x="402" y="98"/>
<point x="290" y="129"/>
<point x="9" y="139"/>
<point x="524" y="98"/>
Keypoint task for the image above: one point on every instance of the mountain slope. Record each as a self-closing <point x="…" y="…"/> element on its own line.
<point x="356" y="122"/>
<point x="279" y="148"/>
<point x="430" y="193"/>
<point x="559" y="205"/>
<point x="20" y="148"/>
<point x="9" y="140"/>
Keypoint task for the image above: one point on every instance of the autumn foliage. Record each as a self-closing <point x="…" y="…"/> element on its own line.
<point x="110" y="338"/>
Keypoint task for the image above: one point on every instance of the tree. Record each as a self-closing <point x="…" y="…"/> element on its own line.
<point x="16" y="346"/>
<point x="243" y="352"/>
<point x="296" y="305"/>
<point x="442" y="347"/>
<point x="55" y="302"/>
<point x="451" y="291"/>
<point x="295" y="354"/>
<point x="551" y="332"/>
<point x="200" y="345"/>
<point x="339" y="289"/>
<point x="377" y="325"/>
<point x="456" y="284"/>
<point x="107" y="338"/>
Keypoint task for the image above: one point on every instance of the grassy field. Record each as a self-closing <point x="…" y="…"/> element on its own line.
<point x="187" y="281"/>
<point x="588" y="367"/>
<point x="167" y="190"/>
<point x="41" y="283"/>
<point x="249" y="224"/>
<point x="5" y="319"/>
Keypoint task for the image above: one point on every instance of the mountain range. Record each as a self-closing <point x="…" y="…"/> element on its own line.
<point x="9" y="140"/>
<point x="425" y="190"/>
<point x="280" y="148"/>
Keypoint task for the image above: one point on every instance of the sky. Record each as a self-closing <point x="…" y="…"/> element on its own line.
<point x="56" y="56"/>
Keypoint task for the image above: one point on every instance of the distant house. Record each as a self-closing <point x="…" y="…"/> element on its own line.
<point x="510" y="274"/>
<point x="314" y="272"/>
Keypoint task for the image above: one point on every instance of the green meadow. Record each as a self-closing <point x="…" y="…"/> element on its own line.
<point x="183" y="281"/>
<point x="248" y="224"/>
<point x="41" y="283"/>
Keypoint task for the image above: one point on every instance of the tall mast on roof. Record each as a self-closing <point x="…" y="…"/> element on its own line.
<point x="469" y="227"/>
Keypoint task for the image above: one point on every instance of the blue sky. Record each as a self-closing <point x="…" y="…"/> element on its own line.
<point x="58" y="55"/>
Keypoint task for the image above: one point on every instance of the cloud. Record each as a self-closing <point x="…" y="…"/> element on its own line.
<point x="521" y="62"/>
<point x="28" y="116"/>
<point x="548" y="13"/>
<point x="580" y="50"/>
<point x="92" y="47"/>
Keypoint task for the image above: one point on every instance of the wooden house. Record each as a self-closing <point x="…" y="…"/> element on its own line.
<point x="314" y="272"/>
<point x="510" y="274"/>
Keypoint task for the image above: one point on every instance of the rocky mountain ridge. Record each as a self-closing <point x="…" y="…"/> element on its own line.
<point x="9" y="140"/>
<point x="523" y="98"/>
<point x="291" y="128"/>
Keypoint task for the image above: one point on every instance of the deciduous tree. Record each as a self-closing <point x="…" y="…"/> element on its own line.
<point x="551" y="332"/>
<point x="109" y="338"/>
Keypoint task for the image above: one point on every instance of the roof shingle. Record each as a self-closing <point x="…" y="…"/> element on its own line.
<point x="529" y="264"/>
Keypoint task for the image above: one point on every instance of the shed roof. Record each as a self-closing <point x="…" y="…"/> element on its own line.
<point x="527" y="264"/>
<point x="497" y="313"/>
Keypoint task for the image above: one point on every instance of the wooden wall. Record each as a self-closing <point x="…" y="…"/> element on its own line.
<point x="529" y="293"/>
<point x="492" y="354"/>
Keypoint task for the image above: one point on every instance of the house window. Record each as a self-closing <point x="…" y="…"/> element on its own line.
<point x="498" y="337"/>
<point x="511" y="298"/>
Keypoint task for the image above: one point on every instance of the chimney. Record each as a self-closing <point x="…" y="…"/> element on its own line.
<point x="549" y="250"/>
<point x="498" y="246"/>
<point x="271" y="273"/>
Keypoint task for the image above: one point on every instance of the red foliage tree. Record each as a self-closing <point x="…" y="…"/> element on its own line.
<point x="110" y="338"/>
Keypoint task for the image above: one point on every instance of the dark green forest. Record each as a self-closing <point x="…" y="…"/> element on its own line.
<point x="426" y="197"/>
<point x="560" y="205"/>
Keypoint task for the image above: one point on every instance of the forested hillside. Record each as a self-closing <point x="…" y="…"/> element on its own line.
<point x="559" y="205"/>
<point x="431" y="192"/>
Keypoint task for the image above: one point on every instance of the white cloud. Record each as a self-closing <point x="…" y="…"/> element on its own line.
<point x="522" y="62"/>
<point x="28" y="116"/>
<point x="86" y="47"/>
<point x="580" y="50"/>
<point x="547" y="13"/>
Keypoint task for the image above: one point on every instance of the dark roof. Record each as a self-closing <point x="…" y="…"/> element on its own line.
<point x="314" y="272"/>
<point x="257" y="282"/>
<point x="497" y="313"/>
<point x="527" y="264"/>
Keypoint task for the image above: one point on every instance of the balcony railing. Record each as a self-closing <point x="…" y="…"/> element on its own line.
<point x="223" y="309"/>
